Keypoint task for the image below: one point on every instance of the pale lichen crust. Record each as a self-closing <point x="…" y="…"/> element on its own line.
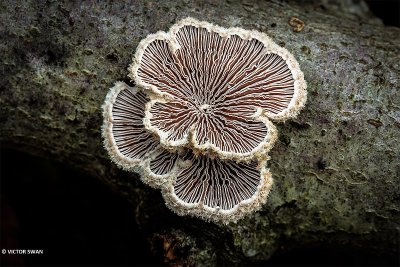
<point x="215" y="90"/>
<point x="210" y="188"/>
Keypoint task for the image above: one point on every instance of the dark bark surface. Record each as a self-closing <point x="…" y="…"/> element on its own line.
<point x="336" y="167"/>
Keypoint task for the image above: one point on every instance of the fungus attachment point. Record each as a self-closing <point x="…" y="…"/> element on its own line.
<point x="206" y="108"/>
<point x="208" y="81"/>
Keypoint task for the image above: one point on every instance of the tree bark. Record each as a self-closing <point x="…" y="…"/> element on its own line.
<point x="336" y="167"/>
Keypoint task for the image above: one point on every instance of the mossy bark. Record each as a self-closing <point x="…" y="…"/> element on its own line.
<point x="336" y="167"/>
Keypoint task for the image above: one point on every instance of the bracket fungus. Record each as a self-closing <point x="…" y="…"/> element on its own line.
<point x="129" y="145"/>
<point x="203" y="186"/>
<point x="218" y="190"/>
<point x="215" y="90"/>
<point x="198" y="124"/>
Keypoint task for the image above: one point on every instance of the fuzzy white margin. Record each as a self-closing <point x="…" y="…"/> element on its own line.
<point x="140" y="166"/>
<point x="296" y="104"/>
<point x="218" y="215"/>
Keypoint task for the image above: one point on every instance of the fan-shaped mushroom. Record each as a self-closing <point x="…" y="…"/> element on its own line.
<point x="129" y="145"/>
<point x="218" y="190"/>
<point x="216" y="89"/>
<point x="202" y="186"/>
<point x="208" y="96"/>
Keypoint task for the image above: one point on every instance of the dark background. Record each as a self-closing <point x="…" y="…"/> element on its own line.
<point x="387" y="10"/>
<point x="77" y="220"/>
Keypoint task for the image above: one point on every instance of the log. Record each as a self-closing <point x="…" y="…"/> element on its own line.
<point x="336" y="167"/>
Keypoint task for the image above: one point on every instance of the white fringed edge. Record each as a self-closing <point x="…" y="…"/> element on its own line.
<point x="140" y="166"/>
<point x="218" y="215"/>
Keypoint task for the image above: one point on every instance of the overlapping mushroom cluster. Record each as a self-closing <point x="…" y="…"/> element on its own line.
<point x="197" y="125"/>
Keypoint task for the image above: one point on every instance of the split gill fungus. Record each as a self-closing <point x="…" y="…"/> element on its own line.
<point x="216" y="90"/>
<point x="198" y="123"/>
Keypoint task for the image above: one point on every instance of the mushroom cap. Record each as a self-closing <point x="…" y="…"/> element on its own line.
<point x="215" y="90"/>
<point x="126" y="140"/>
<point x="218" y="190"/>
<point x="202" y="186"/>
